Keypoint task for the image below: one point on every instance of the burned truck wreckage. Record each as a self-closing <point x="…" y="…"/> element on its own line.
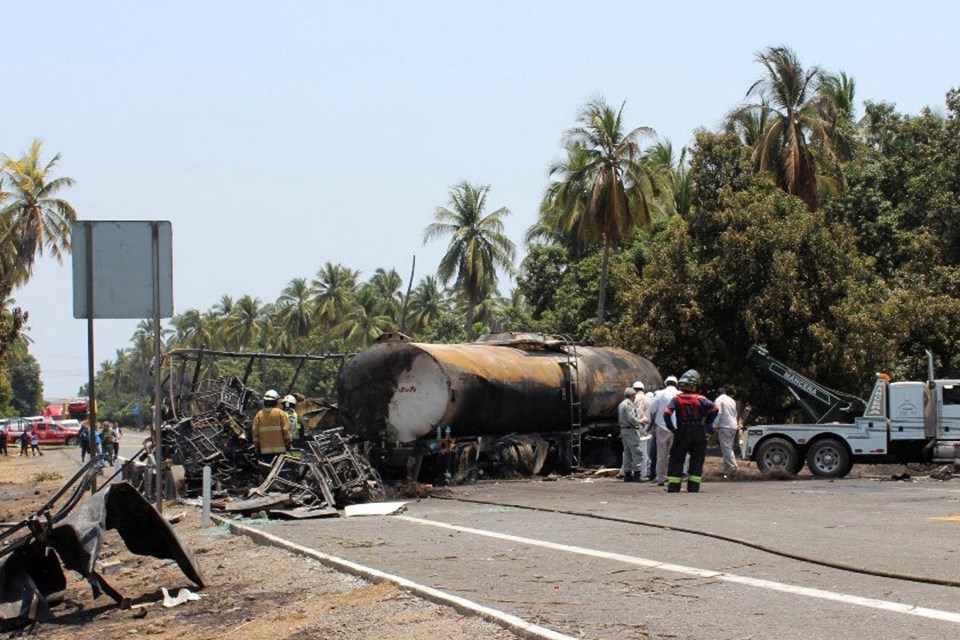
<point x="509" y="404"/>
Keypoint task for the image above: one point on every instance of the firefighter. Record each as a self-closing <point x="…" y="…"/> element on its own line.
<point x="290" y="408"/>
<point x="690" y="417"/>
<point x="271" y="428"/>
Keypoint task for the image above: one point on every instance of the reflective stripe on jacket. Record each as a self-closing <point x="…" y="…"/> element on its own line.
<point x="271" y="430"/>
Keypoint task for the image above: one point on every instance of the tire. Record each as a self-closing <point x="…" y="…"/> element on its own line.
<point x="72" y="441"/>
<point x="829" y="458"/>
<point x="777" y="455"/>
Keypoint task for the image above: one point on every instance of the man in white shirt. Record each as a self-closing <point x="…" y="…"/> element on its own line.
<point x="726" y="426"/>
<point x="663" y="435"/>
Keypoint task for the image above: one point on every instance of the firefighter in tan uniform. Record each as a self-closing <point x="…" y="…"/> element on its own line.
<point x="271" y="428"/>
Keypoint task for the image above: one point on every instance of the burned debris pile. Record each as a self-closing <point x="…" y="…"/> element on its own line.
<point x="324" y="470"/>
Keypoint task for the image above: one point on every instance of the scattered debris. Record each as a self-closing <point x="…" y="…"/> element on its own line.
<point x="942" y="473"/>
<point x="377" y="509"/>
<point x="183" y="595"/>
<point x="30" y="565"/>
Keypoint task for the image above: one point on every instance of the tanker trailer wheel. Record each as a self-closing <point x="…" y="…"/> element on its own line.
<point x="777" y="455"/>
<point x="829" y="458"/>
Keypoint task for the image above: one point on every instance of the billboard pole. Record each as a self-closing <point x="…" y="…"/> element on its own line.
<point x="155" y="237"/>
<point x="91" y="372"/>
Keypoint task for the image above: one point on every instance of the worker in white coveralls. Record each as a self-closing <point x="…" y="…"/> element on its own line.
<point x="630" y="435"/>
<point x="642" y="402"/>
<point x="726" y="425"/>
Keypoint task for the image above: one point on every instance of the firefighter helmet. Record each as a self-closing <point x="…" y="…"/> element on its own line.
<point x="289" y="399"/>
<point x="690" y="380"/>
<point x="271" y="396"/>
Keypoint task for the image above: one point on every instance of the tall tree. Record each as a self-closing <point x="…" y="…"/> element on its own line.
<point x="608" y="194"/>
<point x="427" y="302"/>
<point x="334" y="287"/>
<point x="296" y="310"/>
<point x="787" y="94"/>
<point x="243" y="327"/>
<point x="477" y="244"/>
<point x="32" y="216"/>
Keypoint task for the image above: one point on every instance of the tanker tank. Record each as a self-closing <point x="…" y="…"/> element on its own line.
<point x="400" y="391"/>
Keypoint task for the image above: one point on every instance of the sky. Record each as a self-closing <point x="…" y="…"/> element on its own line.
<point x="276" y="137"/>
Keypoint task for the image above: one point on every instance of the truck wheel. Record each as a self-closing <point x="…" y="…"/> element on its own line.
<point x="72" y="441"/>
<point x="828" y="458"/>
<point x="777" y="455"/>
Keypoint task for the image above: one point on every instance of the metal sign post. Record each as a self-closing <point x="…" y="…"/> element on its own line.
<point x="126" y="271"/>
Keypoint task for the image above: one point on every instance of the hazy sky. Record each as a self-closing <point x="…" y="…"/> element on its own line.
<point x="279" y="136"/>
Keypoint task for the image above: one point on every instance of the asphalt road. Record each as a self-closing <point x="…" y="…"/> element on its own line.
<point x="598" y="558"/>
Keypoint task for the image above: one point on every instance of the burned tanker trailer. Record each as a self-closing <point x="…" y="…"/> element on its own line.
<point x="515" y="403"/>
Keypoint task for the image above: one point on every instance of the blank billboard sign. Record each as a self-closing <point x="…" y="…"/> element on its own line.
<point x="132" y="262"/>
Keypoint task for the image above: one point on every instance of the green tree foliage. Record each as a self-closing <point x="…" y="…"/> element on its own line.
<point x="477" y="246"/>
<point x="25" y="384"/>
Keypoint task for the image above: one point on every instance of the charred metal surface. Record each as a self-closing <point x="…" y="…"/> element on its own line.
<point x="510" y="383"/>
<point x="328" y="473"/>
<point x="30" y="567"/>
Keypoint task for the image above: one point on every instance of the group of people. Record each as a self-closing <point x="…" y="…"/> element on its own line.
<point x="276" y="426"/>
<point x="106" y="441"/>
<point x="29" y="443"/>
<point x="665" y="433"/>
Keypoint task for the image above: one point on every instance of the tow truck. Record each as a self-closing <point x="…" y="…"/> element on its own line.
<point x="900" y="423"/>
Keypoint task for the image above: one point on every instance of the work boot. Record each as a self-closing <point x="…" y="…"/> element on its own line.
<point x="628" y="476"/>
<point x="692" y="487"/>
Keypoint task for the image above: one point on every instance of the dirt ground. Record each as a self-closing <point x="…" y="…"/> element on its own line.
<point x="252" y="592"/>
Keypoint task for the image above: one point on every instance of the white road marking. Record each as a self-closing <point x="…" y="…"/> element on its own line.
<point x="845" y="598"/>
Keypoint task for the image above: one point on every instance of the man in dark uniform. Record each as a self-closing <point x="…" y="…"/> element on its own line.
<point x="690" y="417"/>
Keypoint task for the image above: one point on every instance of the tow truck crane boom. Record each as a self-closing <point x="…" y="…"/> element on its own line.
<point x="821" y="404"/>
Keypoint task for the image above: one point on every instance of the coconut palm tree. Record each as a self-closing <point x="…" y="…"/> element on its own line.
<point x="32" y="216"/>
<point x="608" y="193"/>
<point x="295" y="309"/>
<point x="366" y="319"/>
<point x="334" y="288"/>
<point x="477" y="246"/>
<point x="788" y="92"/>
<point x="389" y="285"/>
<point x="191" y="329"/>
<point x="427" y="302"/>
<point x="243" y="327"/>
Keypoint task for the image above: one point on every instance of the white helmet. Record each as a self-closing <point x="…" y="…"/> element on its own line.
<point x="271" y="396"/>
<point x="638" y="385"/>
<point x="671" y="380"/>
<point x="289" y="399"/>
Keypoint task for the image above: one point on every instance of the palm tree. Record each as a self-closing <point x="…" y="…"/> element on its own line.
<point x="242" y="328"/>
<point x="477" y="244"/>
<point x="427" y="302"/>
<point x="366" y="319"/>
<point x="334" y="288"/>
<point x="295" y="309"/>
<point x="673" y="185"/>
<point x="389" y="285"/>
<point x="787" y="95"/>
<point x="836" y="101"/>
<point x="608" y="193"/>
<point x="32" y="217"/>
<point x="191" y="329"/>
<point x="561" y="210"/>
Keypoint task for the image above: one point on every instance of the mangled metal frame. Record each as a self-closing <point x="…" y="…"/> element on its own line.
<point x="31" y="565"/>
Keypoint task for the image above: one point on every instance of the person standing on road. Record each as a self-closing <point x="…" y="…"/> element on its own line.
<point x="24" y="440"/>
<point x="630" y="435"/>
<point x="116" y="440"/>
<point x="663" y="435"/>
<point x="84" y="436"/>
<point x="271" y="428"/>
<point x="107" y="441"/>
<point x="3" y="441"/>
<point x="35" y="443"/>
<point x="642" y="402"/>
<point x="690" y="417"/>
<point x="726" y="426"/>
